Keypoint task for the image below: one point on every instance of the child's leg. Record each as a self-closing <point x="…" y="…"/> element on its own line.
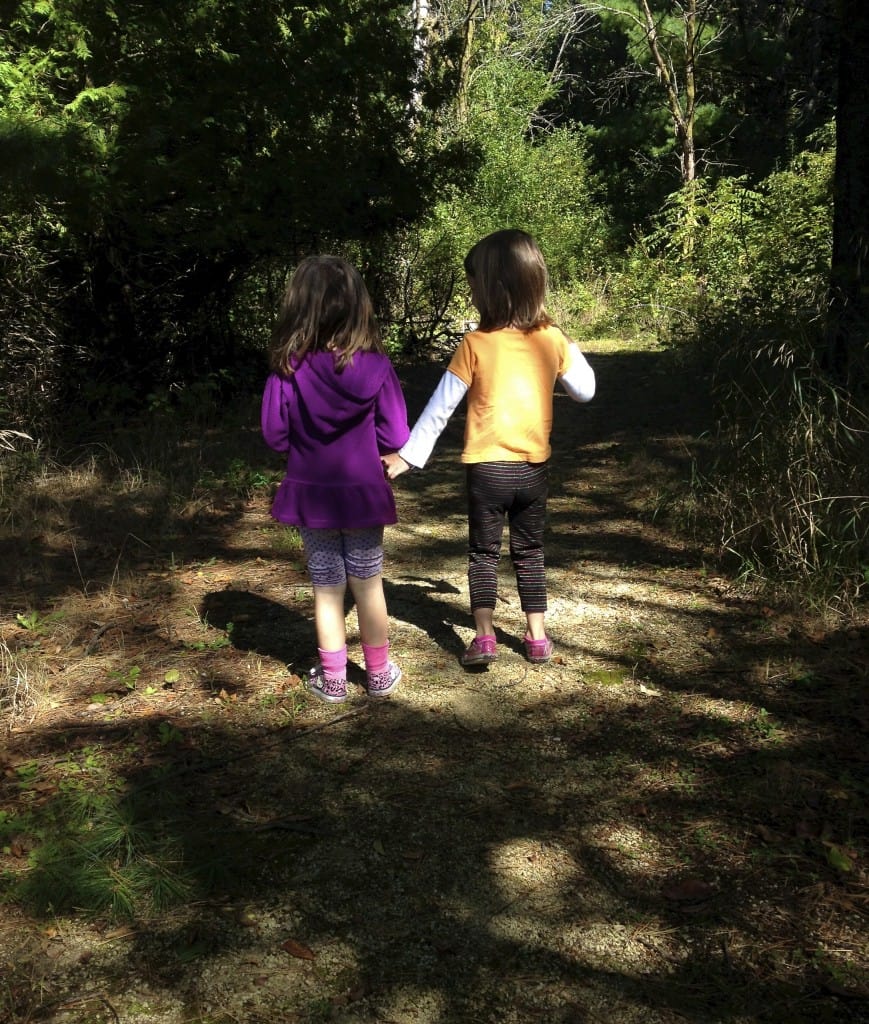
<point x="486" y="509"/>
<point x="329" y="616"/>
<point x="325" y="555"/>
<point x="484" y="621"/>
<point x="527" y="522"/>
<point x="370" y="609"/>
<point x="363" y="555"/>
<point x="326" y="568"/>
<point x="374" y="633"/>
<point x="535" y="626"/>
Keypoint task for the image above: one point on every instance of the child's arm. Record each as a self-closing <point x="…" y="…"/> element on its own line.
<point x="578" y="379"/>
<point x="390" y="415"/>
<point x="428" y="428"/>
<point x="273" y="417"/>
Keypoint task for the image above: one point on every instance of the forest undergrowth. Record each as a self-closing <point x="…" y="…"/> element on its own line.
<point x="666" y="823"/>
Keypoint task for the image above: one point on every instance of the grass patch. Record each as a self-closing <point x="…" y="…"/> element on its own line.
<point x="22" y="680"/>
<point x="605" y="676"/>
<point x="92" y="847"/>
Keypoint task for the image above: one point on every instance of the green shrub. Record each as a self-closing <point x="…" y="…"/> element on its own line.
<point x="738" y="276"/>
<point x="528" y="176"/>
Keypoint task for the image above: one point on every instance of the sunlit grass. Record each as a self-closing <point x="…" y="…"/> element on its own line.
<point x="22" y="680"/>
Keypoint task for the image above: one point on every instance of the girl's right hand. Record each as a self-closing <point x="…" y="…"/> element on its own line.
<point x="394" y="465"/>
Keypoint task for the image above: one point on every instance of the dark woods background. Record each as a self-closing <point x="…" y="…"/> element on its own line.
<point x="163" y="163"/>
<point x="694" y="170"/>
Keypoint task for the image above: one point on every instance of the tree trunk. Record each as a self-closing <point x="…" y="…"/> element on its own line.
<point x="848" y="318"/>
<point x="682" y="113"/>
<point x="466" y="57"/>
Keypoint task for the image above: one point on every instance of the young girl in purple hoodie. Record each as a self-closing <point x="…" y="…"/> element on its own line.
<point x="334" y="405"/>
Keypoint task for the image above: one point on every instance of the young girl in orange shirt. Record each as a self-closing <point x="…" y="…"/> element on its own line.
<point x="507" y="368"/>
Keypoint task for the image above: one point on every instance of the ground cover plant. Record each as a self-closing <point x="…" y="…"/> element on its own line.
<point x="666" y="823"/>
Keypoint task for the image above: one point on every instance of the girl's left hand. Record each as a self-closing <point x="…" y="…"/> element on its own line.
<point x="394" y="465"/>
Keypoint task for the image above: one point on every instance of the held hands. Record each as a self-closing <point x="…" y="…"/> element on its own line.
<point x="394" y="465"/>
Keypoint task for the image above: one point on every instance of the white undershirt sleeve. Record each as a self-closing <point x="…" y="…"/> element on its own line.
<point x="429" y="427"/>
<point x="578" y="381"/>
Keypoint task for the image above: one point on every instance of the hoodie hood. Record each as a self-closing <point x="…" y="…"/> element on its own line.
<point x="331" y="402"/>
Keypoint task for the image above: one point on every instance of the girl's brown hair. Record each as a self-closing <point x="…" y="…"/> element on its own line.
<point x="326" y="307"/>
<point x="509" y="281"/>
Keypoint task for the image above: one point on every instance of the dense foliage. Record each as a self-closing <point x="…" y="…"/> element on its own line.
<point x="165" y="165"/>
<point x="158" y="156"/>
<point x="764" y="80"/>
<point x="527" y="173"/>
<point x="786" y="488"/>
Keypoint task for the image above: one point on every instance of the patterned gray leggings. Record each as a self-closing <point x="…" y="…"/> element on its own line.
<point x="333" y="555"/>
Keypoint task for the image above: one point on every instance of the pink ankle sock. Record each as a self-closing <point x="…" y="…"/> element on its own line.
<point x="376" y="658"/>
<point x="334" y="663"/>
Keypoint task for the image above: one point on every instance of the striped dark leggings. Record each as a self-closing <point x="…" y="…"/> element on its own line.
<point x="517" y="490"/>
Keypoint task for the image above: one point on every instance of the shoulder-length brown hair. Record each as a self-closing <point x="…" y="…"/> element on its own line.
<point x="326" y="307"/>
<point x="508" y="277"/>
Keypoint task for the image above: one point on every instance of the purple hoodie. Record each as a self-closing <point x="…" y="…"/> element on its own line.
<point x="334" y="428"/>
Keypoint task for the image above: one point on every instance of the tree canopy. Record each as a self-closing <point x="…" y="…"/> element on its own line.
<point x="157" y="153"/>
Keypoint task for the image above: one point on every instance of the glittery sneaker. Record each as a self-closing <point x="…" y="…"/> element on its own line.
<point x="538" y="651"/>
<point x="333" y="691"/>
<point x="381" y="684"/>
<point x="481" y="651"/>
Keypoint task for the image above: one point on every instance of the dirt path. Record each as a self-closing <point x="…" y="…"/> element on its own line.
<point x="664" y="824"/>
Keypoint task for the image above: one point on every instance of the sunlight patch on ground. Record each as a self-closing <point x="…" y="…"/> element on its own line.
<point x="631" y="850"/>
<point x="476" y="709"/>
<point x="422" y="1006"/>
<point x="546" y="868"/>
<point x="716" y="709"/>
<point x="606" y="945"/>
